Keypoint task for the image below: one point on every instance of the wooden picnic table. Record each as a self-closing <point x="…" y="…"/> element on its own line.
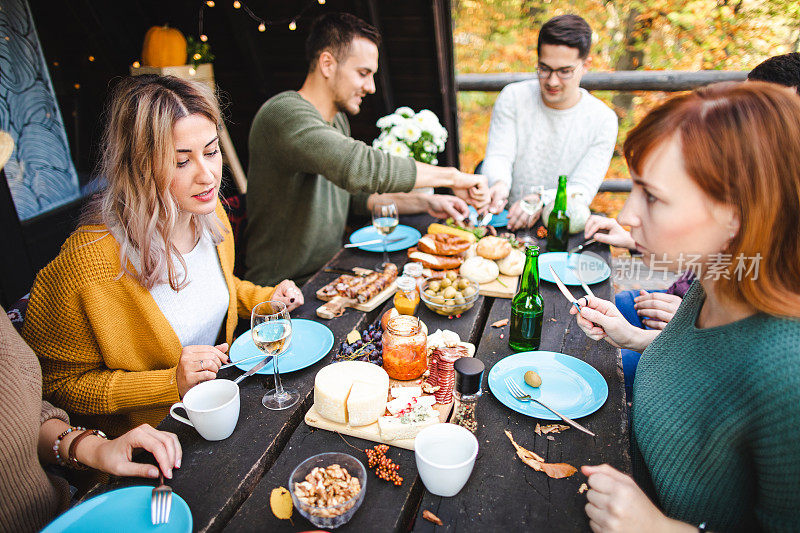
<point x="227" y="483"/>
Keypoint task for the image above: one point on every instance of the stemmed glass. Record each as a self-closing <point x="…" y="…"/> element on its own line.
<point x="271" y="328"/>
<point x="384" y="220"/>
<point x="530" y="206"/>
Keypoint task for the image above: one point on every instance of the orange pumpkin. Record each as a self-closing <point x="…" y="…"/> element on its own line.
<point x="163" y="47"/>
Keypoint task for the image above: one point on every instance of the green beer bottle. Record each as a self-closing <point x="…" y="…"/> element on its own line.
<point x="558" y="222"/>
<point x="527" y="307"/>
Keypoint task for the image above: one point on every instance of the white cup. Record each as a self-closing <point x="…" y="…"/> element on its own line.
<point x="445" y="456"/>
<point x="213" y="408"/>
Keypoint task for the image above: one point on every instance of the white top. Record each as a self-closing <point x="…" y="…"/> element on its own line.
<point x="532" y="144"/>
<point x="196" y="312"/>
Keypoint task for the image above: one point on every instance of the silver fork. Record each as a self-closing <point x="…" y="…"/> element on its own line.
<point x="160" y="502"/>
<point x="519" y="395"/>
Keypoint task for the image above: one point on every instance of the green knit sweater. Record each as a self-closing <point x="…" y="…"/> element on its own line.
<point x="716" y="417"/>
<point x="301" y="174"/>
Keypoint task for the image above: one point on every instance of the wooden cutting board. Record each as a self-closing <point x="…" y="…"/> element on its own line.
<point x="499" y="290"/>
<point x="335" y="303"/>
<point x="372" y="431"/>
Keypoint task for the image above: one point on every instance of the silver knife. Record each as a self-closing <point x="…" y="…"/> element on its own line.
<point x="228" y="365"/>
<point x="486" y="219"/>
<point x="255" y="369"/>
<point x="373" y="241"/>
<point x="563" y="289"/>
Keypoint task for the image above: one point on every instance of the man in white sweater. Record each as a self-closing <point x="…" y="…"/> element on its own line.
<point x="544" y="128"/>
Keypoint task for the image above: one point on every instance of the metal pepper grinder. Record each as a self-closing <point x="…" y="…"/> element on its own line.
<point x="469" y="373"/>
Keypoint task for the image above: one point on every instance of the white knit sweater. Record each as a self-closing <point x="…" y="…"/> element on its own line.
<point x="532" y="144"/>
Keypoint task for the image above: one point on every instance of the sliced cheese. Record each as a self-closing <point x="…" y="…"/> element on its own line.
<point x="398" y="404"/>
<point x="407" y="427"/>
<point x="406" y="392"/>
<point x="334" y="383"/>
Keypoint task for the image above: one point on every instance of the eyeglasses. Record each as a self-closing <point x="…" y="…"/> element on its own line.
<point x="563" y="73"/>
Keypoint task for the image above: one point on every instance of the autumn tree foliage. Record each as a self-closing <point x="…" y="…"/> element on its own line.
<point x="500" y="36"/>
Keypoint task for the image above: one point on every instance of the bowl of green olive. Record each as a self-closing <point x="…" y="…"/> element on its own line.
<point x="450" y="295"/>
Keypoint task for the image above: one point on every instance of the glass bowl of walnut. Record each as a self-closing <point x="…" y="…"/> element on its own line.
<point x="328" y="488"/>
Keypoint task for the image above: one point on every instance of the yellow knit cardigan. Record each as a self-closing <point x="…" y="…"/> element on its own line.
<point x="108" y="353"/>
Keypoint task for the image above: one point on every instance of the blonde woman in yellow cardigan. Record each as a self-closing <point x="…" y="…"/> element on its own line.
<point x="141" y="303"/>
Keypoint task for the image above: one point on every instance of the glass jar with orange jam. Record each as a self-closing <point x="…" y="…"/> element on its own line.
<point x="406" y="298"/>
<point x="405" y="354"/>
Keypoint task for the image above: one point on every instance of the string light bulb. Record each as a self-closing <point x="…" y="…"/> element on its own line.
<point x="321" y="2"/>
<point x="237" y="4"/>
<point x="292" y="25"/>
<point x="262" y="27"/>
<point x="204" y="37"/>
<point x="210" y="3"/>
<point x="136" y="64"/>
<point x="91" y="58"/>
<point x="197" y="57"/>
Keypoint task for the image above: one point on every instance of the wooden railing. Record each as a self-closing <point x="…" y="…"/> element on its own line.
<point x="629" y="80"/>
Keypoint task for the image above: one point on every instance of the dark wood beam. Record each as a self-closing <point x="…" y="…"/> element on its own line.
<point x="443" y="36"/>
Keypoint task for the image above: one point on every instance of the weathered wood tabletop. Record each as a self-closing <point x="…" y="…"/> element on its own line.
<point x="227" y="483"/>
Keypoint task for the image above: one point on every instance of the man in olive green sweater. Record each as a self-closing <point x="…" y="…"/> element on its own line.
<point x="306" y="172"/>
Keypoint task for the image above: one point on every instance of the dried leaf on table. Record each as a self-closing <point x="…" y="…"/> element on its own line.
<point x="430" y="517"/>
<point x="280" y="501"/>
<point x="583" y="488"/>
<point x="538" y="429"/>
<point x="550" y="437"/>
<point x="554" y="470"/>
<point x="553" y="428"/>
<point x="500" y="323"/>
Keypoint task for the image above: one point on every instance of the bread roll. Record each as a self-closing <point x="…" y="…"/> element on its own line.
<point x="512" y="264"/>
<point x="480" y="269"/>
<point x="493" y="248"/>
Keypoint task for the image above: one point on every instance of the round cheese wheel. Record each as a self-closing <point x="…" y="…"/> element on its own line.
<point x="351" y="392"/>
<point x="480" y="269"/>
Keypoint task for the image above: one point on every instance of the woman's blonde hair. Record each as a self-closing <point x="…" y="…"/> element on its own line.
<point x="138" y="161"/>
<point x="741" y="145"/>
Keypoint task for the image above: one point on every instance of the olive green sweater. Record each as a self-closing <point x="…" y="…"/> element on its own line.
<point x="301" y="174"/>
<point x="716" y="417"/>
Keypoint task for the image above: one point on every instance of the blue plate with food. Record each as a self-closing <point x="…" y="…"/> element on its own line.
<point x="568" y="385"/>
<point x="401" y="238"/>
<point x="310" y="342"/>
<point x="590" y="266"/>
<point x="126" y="510"/>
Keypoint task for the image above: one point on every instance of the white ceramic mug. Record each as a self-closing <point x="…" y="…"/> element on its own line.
<point x="213" y="408"/>
<point x="445" y="456"/>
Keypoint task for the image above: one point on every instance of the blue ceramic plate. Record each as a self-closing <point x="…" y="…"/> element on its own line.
<point x="500" y="220"/>
<point x="409" y="236"/>
<point x="311" y="341"/>
<point x="569" y="385"/>
<point x="122" y="510"/>
<point x="592" y="267"/>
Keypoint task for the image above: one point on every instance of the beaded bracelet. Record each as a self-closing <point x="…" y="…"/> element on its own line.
<point x="60" y="460"/>
<point x="72" y="460"/>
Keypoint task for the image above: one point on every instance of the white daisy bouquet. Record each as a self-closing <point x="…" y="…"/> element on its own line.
<point x="405" y="133"/>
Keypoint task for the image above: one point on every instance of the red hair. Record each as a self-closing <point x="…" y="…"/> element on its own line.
<point x="741" y="145"/>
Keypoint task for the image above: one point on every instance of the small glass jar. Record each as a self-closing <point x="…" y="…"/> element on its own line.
<point x="415" y="271"/>
<point x="406" y="299"/>
<point x="469" y="373"/>
<point x="405" y="354"/>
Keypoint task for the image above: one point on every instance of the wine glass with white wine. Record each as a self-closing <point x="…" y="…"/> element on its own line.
<point x="271" y="329"/>
<point x="530" y="205"/>
<point x="384" y="219"/>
